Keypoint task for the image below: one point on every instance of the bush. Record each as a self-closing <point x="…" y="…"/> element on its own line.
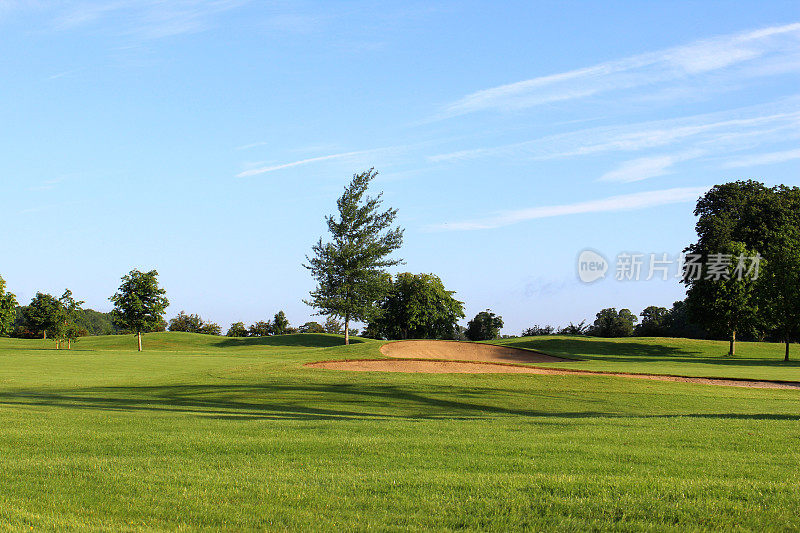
<point x="237" y="329"/>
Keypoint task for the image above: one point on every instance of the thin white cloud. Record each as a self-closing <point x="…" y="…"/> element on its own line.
<point x="776" y="45"/>
<point x="252" y="145"/>
<point x="625" y="202"/>
<point x="264" y="170"/>
<point x="764" y="159"/>
<point x="647" y="167"/>
<point x="728" y="130"/>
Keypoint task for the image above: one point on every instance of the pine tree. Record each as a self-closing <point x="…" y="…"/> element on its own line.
<point x="350" y="270"/>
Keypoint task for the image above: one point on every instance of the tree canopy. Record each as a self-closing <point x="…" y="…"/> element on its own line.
<point x="485" y="326"/>
<point x="612" y="323"/>
<point x="417" y="306"/>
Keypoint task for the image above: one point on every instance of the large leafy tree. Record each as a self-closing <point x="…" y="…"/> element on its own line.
<point x="417" y="307"/>
<point x="350" y="269"/>
<point x="612" y="323"/>
<point x="139" y="303"/>
<point x="756" y="217"/>
<point x="8" y="309"/>
<point x="42" y="314"/>
<point x="237" y="329"/>
<point x="485" y="326"/>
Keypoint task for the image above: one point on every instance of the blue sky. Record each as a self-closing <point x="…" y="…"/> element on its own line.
<point x="208" y="140"/>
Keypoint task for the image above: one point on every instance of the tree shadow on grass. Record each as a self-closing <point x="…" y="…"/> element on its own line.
<point x="299" y="340"/>
<point x="633" y="351"/>
<point x="338" y="401"/>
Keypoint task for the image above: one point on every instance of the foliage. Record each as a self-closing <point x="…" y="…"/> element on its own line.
<point x="260" y="329"/>
<point x="8" y="309"/>
<point x="311" y="327"/>
<point x="574" y="329"/>
<point x="779" y="285"/>
<point x="193" y="324"/>
<point x="237" y="329"/>
<point x="537" y="331"/>
<point x="65" y="326"/>
<point x="610" y="323"/>
<point x="728" y="305"/>
<point x="42" y="314"/>
<point x="139" y="304"/>
<point x="655" y="322"/>
<point x="485" y="326"/>
<point x="333" y="326"/>
<point x="280" y="323"/>
<point x="417" y="306"/>
<point x="96" y="322"/>
<point x="350" y="270"/>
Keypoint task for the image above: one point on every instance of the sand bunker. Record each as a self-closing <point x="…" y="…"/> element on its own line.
<point x="450" y="357"/>
<point x="464" y="351"/>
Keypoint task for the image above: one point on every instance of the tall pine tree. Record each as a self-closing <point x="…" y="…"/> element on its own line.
<point x="350" y="269"/>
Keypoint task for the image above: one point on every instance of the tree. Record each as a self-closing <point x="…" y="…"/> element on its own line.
<point x="574" y="329"/>
<point x="237" y="329"/>
<point x="610" y="323"/>
<point x="42" y="313"/>
<point x="65" y="327"/>
<point x="312" y="327"/>
<point x="139" y="304"/>
<point x="729" y="301"/>
<point x="261" y="329"/>
<point x="778" y="285"/>
<point x="655" y="322"/>
<point x="350" y="270"/>
<point x="417" y="306"/>
<point x="8" y="310"/>
<point x="485" y="326"/>
<point x="280" y="323"/>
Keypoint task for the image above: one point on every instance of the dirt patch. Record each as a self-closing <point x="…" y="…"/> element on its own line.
<point x="464" y="351"/>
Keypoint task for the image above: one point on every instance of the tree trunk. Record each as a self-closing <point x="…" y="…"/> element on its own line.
<point x="44" y="334"/>
<point x="786" y="355"/>
<point x="732" y="350"/>
<point x="69" y="344"/>
<point x="139" y="339"/>
<point x="347" y="330"/>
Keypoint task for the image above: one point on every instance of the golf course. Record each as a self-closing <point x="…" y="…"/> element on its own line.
<point x="208" y="432"/>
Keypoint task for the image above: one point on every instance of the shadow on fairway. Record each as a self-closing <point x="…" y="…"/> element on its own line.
<point x="630" y="351"/>
<point x="340" y="401"/>
<point x="299" y="340"/>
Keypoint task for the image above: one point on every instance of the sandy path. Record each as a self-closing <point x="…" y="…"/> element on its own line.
<point x="449" y="357"/>
<point x="464" y="351"/>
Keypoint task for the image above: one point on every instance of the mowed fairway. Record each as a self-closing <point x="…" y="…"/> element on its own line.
<point x="207" y="432"/>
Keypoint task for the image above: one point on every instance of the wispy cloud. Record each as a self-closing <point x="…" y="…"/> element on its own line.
<point x="272" y="168"/>
<point x="776" y="49"/>
<point x="715" y="132"/>
<point x="647" y="167"/>
<point x="144" y="19"/>
<point x="625" y="202"/>
<point x="764" y="159"/>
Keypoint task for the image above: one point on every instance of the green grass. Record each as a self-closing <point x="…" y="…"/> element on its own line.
<point x="204" y="432"/>
<point x="656" y="355"/>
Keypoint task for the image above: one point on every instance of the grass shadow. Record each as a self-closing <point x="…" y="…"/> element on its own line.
<point x="298" y="340"/>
